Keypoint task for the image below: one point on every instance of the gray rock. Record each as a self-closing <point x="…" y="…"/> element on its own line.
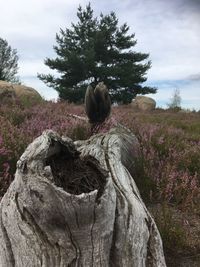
<point x="143" y="103"/>
<point x="9" y="92"/>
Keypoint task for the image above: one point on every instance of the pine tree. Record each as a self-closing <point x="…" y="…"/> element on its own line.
<point x="95" y="50"/>
<point x="8" y="62"/>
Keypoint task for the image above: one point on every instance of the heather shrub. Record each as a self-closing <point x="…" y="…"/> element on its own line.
<point x="14" y="141"/>
<point x="171" y="230"/>
<point x="147" y="186"/>
<point x="79" y="132"/>
<point x="5" y="177"/>
<point x="190" y="158"/>
<point x="27" y="101"/>
<point x="167" y="171"/>
<point x="169" y="168"/>
<point x="14" y="114"/>
<point x="55" y="116"/>
<point x="21" y="125"/>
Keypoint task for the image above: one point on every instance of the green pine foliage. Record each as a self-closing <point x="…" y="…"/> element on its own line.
<point x="95" y="50"/>
<point x="8" y="62"/>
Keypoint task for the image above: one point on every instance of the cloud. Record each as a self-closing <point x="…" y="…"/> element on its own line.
<point x="167" y="30"/>
<point x="32" y="25"/>
<point x="32" y="67"/>
<point x="194" y="77"/>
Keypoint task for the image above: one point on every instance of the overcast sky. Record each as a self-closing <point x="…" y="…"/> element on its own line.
<point x="168" y="30"/>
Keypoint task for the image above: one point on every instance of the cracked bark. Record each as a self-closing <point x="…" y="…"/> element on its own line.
<point x="42" y="223"/>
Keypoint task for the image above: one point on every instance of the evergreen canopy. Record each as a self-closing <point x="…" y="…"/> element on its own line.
<point x="95" y="50"/>
<point x="8" y="62"/>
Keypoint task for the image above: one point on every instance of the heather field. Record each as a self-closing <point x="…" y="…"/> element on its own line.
<point x="167" y="172"/>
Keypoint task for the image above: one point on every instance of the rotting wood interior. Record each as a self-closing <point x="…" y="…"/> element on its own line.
<point x="75" y="174"/>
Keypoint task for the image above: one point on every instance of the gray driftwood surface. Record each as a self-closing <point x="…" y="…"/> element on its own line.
<point x="43" y="225"/>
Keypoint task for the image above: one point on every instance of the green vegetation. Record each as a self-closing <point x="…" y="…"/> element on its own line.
<point x="80" y="132"/>
<point x="172" y="233"/>
<point x="27" y="101"/>
<point x="8" y="62"/>
<point x="168" y="177"/>
<point x="96" y="50"/>
<point x="188" y="122"/>
<point x="167" y="173"/>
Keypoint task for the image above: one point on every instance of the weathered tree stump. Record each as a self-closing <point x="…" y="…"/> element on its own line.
<point x="76" y="204"/>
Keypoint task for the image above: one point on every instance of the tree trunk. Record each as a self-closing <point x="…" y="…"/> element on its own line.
<point x="76" y="204"/>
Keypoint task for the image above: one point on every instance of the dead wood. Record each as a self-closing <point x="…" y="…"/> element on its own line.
<point x="76" y="204"/>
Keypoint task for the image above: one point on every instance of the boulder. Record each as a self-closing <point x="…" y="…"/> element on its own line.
<point x="6" y="95"/>
<point x="11" y="92"/>
<point x="143" y="103"/>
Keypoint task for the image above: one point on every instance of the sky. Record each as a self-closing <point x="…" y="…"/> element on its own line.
<point x="168" y="30"/>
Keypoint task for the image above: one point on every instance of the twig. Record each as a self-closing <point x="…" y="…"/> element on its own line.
<point x="78" y="117"/>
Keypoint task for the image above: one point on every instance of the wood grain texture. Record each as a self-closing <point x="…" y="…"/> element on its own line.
<point x="43" y="225"/>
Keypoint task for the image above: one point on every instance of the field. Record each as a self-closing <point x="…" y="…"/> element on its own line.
<point x="168" y="170"/>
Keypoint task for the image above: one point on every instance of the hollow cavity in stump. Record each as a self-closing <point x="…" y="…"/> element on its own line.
<point x="77" y="175"/>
